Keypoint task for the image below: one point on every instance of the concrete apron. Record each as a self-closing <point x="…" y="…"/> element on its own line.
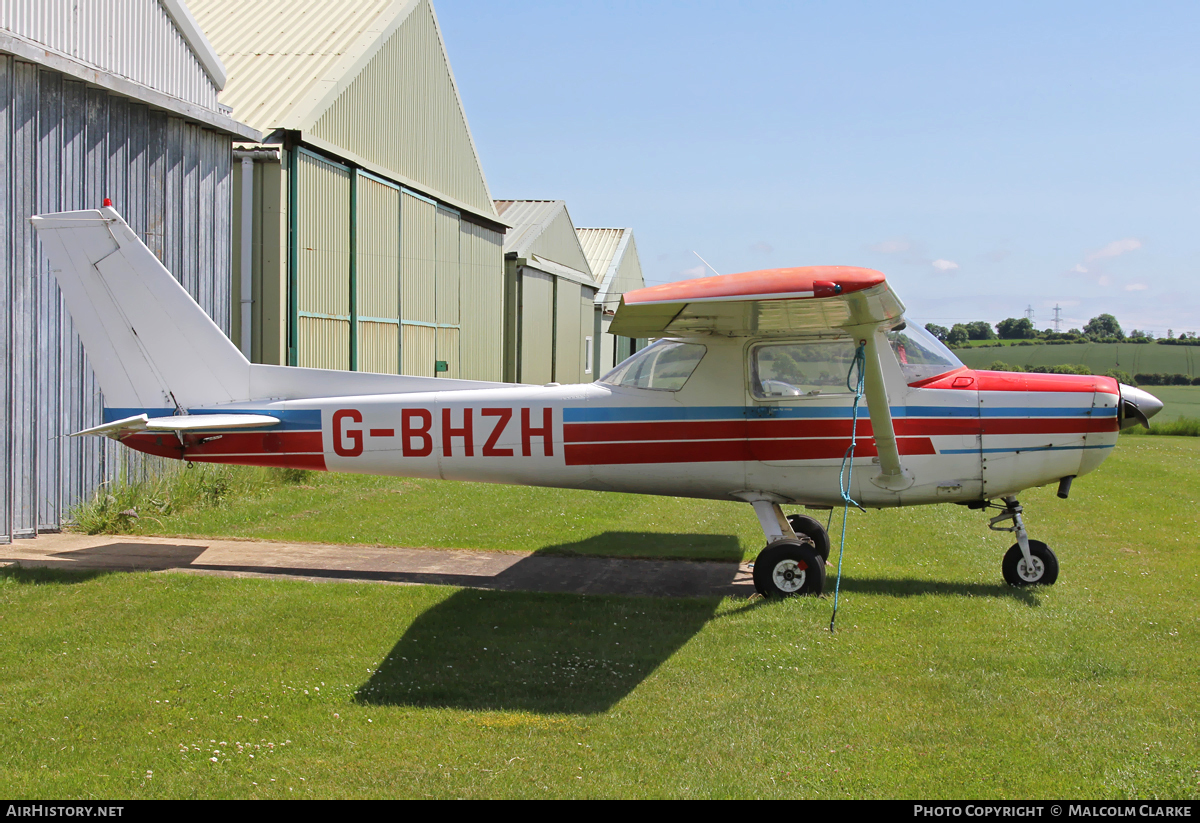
<point x="318" y="562"/>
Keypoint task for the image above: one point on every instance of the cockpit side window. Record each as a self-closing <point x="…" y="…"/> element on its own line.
<point x="663" y="366"/>
<point x="801" y="368"/>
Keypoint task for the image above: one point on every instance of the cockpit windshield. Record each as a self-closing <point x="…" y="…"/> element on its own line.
<point x="921" y="355"/>
<point x="663" y="366"/>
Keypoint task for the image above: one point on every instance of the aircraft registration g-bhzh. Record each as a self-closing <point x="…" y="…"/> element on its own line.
<point x="748" y="394"/>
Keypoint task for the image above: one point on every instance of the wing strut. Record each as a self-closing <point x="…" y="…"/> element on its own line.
<point x="892" y="474"/>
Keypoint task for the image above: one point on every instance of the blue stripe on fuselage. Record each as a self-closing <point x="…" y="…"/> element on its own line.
<point x="290" y="420"/>
<point x="667" y="413"/>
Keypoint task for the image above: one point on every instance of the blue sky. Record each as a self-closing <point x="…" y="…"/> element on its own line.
<point x="986" y="157"/>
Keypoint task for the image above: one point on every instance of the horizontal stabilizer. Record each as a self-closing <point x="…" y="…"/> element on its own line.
<point x="181" y="422"/>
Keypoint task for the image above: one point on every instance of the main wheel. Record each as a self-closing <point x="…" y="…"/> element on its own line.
<point x="811" y="528"/>
<point x="1042" y="572"/>
<point x="789" y="567"/>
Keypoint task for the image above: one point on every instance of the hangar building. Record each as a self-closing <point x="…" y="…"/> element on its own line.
<point x="107" y="98"/>
<point x="373" y="241"/>
<point x="612" y="255"/>
<point x="550" y="296"/>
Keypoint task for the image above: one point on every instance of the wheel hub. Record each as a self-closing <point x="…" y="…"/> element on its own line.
<point x="789" y="576"/>
<point x="1031" y="571"/>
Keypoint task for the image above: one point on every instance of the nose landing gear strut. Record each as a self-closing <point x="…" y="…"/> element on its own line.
<point x="1027" y="562"/>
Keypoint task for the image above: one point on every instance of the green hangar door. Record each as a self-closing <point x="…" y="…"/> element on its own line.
<point x="377" y="274"/>
<point x="322" y="263"/>
<point x="430" y="296"/>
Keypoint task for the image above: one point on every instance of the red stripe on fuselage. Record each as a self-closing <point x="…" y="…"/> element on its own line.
<point x="315" y="462"/>
<point x="725" y="451"/>
<point x="773" y="429"/>
<point x="286" y="449"/>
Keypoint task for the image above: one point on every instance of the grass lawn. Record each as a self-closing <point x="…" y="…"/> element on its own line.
<point x="1179" y="401"/>
<point x="389" y="511"/>
<point x="940" y="682"/>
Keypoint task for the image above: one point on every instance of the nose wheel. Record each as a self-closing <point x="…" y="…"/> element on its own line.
<point x="1040" y="569"/>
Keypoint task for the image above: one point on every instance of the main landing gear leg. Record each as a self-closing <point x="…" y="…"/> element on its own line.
<point x="790" y="564"/>
<point x="1027" y="562"/>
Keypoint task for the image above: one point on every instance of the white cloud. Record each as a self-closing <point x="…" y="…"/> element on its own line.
<point x="1136" y="287"/>
<point x="688" y="274"/>
<point x="945" y="265"/>
<point x="1079" y="269"/>
<point x="1116" y="248"/>
<point x="891" y="246"/>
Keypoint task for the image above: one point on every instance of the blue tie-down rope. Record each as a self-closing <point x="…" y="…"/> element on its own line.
<point x="847" y="471"/>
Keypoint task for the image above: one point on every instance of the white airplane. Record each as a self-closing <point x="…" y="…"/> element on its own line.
<point x="751" y="392"/>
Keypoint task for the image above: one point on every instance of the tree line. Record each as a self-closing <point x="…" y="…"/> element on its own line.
<point x="1101" y="329"/>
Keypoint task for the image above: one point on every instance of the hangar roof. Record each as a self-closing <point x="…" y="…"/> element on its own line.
<point x="152" y="51"/>
<point x="366" y="80"/>
<point x="613" y="257"/>
<point x="543" y="234"/>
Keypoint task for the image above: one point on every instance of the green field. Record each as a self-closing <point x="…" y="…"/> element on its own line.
<point x="1099" y="357"/>
<point x="1179" y="401"/>
<point x="940" y="682"/>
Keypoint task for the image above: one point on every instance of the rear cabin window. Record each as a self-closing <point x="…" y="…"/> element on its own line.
<point x="663" y="366"/>
<point x="802" y="368"/>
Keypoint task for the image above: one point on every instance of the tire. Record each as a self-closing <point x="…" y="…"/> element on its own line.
<point x="787" y="568"/>
<point x="811" y="528"/>
<point x="1045" y="570"/>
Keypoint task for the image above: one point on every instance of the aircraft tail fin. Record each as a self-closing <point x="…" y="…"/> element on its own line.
<point x="150" y="344"/>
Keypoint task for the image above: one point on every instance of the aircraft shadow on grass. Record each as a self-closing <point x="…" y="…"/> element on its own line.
<point x="719" y="547"/>
<point x="512" y="649"/>
<point x="533" y="652"/>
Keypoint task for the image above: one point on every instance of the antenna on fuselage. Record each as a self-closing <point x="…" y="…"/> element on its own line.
<point x="705" y="262"/>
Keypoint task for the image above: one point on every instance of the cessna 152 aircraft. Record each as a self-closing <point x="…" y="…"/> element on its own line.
<point x="746" y="395"/>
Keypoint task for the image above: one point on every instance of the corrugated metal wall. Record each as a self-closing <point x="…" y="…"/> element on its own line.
<point x="587" y="331"/>
<point x="134" y="39"/>
<point x="402" y="112"/>
<point x="378" y="275"/>
<point x="414" y="260"/>
<point x="481" y="267"/>
<point x="418" y="219"/>
<point x="629" y="275"/>
<point x="66" y="146"/>
<point x="537" y="327"/>
<point x="323" y="263"/>
<point x="447" y="292"/>
<point x="560" y="243"/>
<point x="568" y="337"/>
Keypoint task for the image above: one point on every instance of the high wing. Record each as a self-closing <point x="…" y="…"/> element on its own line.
<point x="809" y="299"/>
